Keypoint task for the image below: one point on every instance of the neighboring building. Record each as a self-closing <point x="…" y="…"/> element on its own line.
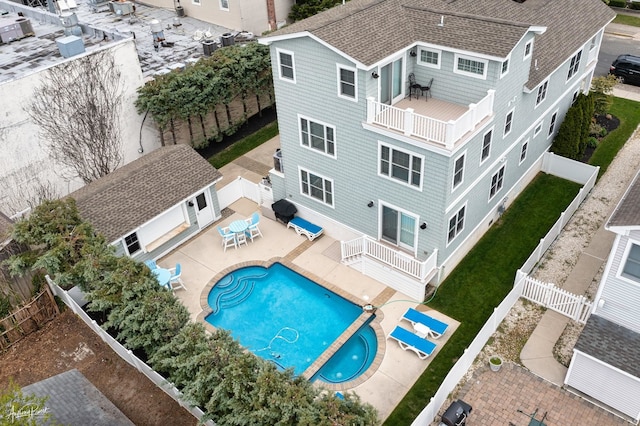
<point x="421" y="180"/>
<point x="606" y="358"/>
<point x="256" y="16"/>
<point x="153" y="204"/>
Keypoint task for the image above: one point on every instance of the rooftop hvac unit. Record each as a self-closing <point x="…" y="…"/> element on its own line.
<point x="209" y="46"/>
<point x="121" y="8"/>
<point x="13" y="30"/>
<point x="277" y="161"/>
<point x="70" y="23"/>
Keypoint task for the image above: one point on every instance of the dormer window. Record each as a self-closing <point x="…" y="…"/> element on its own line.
<point x="527" y="49"/>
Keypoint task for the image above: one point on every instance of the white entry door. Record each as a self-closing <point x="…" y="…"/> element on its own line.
<point x="204" y="209"/>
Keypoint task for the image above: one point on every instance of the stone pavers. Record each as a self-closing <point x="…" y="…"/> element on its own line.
<point x="496" y="398"/>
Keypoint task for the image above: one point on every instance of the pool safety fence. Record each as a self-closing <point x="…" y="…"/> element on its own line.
<point x="127" y="354"/>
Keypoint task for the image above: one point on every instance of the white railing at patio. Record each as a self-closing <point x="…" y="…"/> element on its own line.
<point x="431" y="129"/>
<point x="576" y="307"/>
<point x="127" y="354"/>
<point x="366" y="246"/>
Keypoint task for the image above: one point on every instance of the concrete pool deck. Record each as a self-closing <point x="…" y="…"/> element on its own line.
<point x="203" y="259"/>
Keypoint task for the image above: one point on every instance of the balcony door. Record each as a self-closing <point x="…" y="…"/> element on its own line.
<point x="391" y="82"/>
<point x="398" y="228"/>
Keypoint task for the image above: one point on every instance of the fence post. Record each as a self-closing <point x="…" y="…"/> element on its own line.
<point x="408" y="121"/>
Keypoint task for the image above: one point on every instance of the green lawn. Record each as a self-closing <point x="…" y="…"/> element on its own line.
<point x="627" y="20"/>
<point x="245" y="145"/>
<point x="485" y="276"/>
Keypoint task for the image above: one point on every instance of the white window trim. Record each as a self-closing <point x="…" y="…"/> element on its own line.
<point x="522" y="160"/>
<point x="293" y="65"/>
<point x="126" y="248"/>
<point x="555" y="124"/>
<point x="570" y="77"/>
<point x="470" y="74"/>
<point x="623" y="262"/>
<point x="508" y="61"/>
<point x="449" y="241"/>
<point x="405" y="212"/>
<point x="226" y="9"/>
<point x="512" y="111"/>
<point x="482" y="160"/>
<point x="538" y="128"/>
<point x="527" y="56"/>
<point x="196" y="2"/>
<point x="310" y="148"/>
<point x="333" y="187"/>
<point x="545" y="85"/>
<point x="454" y="186"/>
<point x="427" y="64"/>
<point x="398" y="181"/>
<point x="355" y="82"/>
<point x="504" y="173"/>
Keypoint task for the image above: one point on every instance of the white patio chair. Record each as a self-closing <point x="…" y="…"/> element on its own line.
<point x="228" y="238"/>
<point x="253" y="230"/>
<point x="175" y="282"/>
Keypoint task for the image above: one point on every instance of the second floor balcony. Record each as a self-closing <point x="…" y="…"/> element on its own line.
<point x="435" y="121"/>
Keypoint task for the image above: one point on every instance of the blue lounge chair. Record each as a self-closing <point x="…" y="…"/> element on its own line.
<point x="306" y="228"/>
<point x="435" y="327"/>
<point x="412" y="342"/>
<point x="151" y="264"/>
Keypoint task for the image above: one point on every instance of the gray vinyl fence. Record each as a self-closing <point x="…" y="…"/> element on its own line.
<point x="552" y="164"/>
<point x="127" y="354"/>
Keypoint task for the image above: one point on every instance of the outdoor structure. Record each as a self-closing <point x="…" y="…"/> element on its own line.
<point x="256" y="16"/>
<point x="409" y="148"/>
<point x="153" y="204"/>
<point x="606" y="358"/>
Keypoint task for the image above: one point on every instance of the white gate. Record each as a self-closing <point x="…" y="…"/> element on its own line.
<point x="548" y="295"/>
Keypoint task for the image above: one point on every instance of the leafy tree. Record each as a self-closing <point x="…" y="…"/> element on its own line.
<point x="602" y="89"/>
<point x="306" y="8"/>
<point x="16" y="408"/>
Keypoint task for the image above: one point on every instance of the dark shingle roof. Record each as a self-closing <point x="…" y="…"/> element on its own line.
<point x="139" y="191"/>
<point x="370" y="30"/>
<point x="611" y="343"/>
<point x="627" y="213"/>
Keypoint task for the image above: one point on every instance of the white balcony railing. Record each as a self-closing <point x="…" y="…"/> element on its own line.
<point x="409" y="123"/>
<point x="366" y="246"/>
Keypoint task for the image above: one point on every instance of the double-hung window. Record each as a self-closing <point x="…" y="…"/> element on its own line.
<point x="508" y="122"/>
<point x="497" y="181"/>
<point x="132" y="243"/>
<point x="504" y="69"/>
<point x="486" y="145"/>
<point x="537" y="129"/>
<point x="429" y="57"/>
<point x="542" y="92"/>
<point x="458" y="171"/>
<point x="523" y="150"/>
<point x="456" y="224"/>
<point x="401" y="165"/>
<point x="552" y="124"/>
<point x="317" y="187"/>
<point x="318" y="136"/>
<point x="574" y="65"/>
<point x="286" y="66"/>
<point x="347" y="87"/>
<point x="224" y="4"/>
<point x="631" y="268"/>
<point x="527" y="49"/>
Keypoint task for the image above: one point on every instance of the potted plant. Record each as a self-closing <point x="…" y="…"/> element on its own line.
<point x="495" y="362"/>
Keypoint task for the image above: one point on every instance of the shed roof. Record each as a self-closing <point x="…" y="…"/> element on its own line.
<point x="370" y="30"/>
<point x="627" y="212"/>
<point x="121" y="201"/>
<point x="612" y="343"/>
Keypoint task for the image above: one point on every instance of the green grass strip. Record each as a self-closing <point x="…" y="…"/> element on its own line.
<point x="627" y="20"/>
<point x="238" y="149"/>
<point x="628" y="112"/>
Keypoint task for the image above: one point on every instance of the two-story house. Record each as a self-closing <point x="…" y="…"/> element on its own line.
<point x="420" y="180"/>
<point x="606" y="358"/>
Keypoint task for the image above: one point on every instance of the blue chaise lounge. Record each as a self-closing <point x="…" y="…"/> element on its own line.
<point x="412" y="342"/>
<point x="435" y="327"/>
<point x="303" y="227"/>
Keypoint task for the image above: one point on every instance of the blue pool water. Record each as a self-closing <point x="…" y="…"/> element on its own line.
<point x="279" y="314"/>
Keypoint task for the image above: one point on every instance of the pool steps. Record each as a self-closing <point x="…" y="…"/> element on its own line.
<point x="233" y="296"/>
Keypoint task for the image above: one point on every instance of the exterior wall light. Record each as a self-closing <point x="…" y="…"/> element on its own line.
<point x="375" y="74"/>
<point x="370" y="204"/>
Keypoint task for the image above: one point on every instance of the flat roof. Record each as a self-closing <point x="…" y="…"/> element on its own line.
<point x="100" y="27"/>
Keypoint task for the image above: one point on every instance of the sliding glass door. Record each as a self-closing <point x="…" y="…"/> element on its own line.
<point x="398" y="228"/>
<point x="391" y="82"/>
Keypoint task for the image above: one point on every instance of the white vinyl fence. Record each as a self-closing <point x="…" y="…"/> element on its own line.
<point x="576" y="307"/>
<point x="239" y="188"/>
<point x="555" y="165"/>
<point x="126" y="354"/>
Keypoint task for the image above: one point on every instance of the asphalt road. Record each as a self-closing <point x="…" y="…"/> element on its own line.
<point x="613" y="45"/>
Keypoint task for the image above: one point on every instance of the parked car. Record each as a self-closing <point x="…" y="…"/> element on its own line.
<point x="627" y="69"/>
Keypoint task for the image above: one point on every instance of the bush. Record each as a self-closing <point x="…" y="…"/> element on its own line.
<point x="602" y="89"/>
<point x="618" y="3"/>
<point x="634" y="5"/>
<point x="592" y="142"/>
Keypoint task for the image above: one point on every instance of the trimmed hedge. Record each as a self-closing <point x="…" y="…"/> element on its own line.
<point x="618" y="3"/>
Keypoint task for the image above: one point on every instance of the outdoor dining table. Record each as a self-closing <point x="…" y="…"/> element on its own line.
<point x="163" y="276"/>
<point x="238" y="226"/>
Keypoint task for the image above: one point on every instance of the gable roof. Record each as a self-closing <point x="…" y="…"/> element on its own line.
<point x="370" y="30"/>
<point x="132" y="195"/>
<point x="627" y="213"/>
<point x="611" y="343"/>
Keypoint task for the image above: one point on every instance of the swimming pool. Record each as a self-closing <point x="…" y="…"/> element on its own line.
<point x="279" y="314"/>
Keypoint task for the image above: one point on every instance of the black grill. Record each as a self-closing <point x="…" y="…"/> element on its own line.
<point x="284" y="210"/>
<point x="456" y="414"/>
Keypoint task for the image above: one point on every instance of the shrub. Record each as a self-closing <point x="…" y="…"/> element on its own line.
<point x="634" y="5"/>
<point x="618" y="3"/>
<point x="601" y="89"/>
<point x="592" y="142"/>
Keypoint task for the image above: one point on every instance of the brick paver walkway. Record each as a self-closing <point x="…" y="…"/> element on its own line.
<point x="496" y="398"/>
